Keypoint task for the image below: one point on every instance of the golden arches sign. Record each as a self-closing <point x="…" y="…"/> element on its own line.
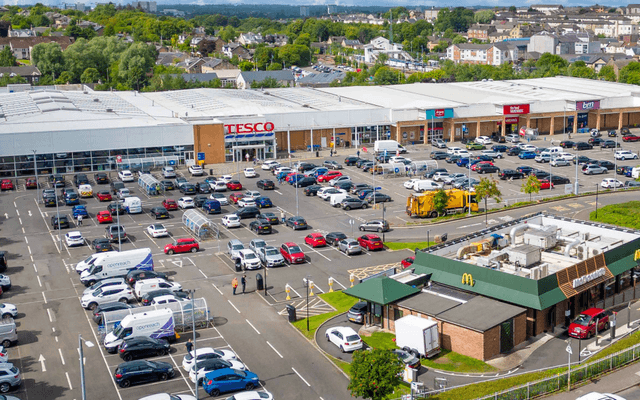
<point x="467" y="279"/>
<point x="636" y="256"/>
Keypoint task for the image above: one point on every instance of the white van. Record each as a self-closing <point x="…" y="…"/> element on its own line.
<point x="390" y="146"/>
<point x="132" y="205"/>
<point x="144" y="286"/>
<point x="157" y="324"/>
<point x="336" y="199"/>
<point x="426" y="185"/>
<point x="113" y="264"/>
<point x="88" y="262"/>
<point x="635" y="173"/>
<point x="85" y="190"/>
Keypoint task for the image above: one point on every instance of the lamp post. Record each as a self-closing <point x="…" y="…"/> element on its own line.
<point x="192" y="293"/>
<point x="57" y="214"/>
<point x="615" y="169"/>
<point x="597" y="188"/>
<point x="307" y="280"/>
<point x="575" y="183"/>
<point x="119" y="227"/>
<point x="35" y="168"/>
<point x="289" y="143"/>
<point x="469" y="187"/>
<point x="82" y="380"/>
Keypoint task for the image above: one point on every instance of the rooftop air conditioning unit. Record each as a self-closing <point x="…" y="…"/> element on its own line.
<point x="109" y="109"/>
<point x="581" y="252"/>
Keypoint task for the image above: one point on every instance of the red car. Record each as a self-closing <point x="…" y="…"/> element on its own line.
<point x="235" y="197"/>
<point x="630" y="138"/>
<point x="315" y="240"/>
<point x="475" y="166"/>
<point x="292" y="253"/>
<point x="234" y="185"/>
<point x="545" y="184"/>
<point x="31" y="183"/>
<point x="104" y="217"/>
<point x="182" y="246"/>
<point x="584" y="326"/>
<point x="6" y="184"/>
<point x="104" y="195"/>
<point x="370" y="242"/>
<point x="329" y="176"/>
<point x="407" y="262"/>
<point x="170" y="204"/>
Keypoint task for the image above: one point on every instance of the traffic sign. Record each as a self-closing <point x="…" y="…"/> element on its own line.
<point x="568" y="349"/>
<point x="118" y="159"/>
<point x="200" y="156"/>
<point x="351" y="222"/>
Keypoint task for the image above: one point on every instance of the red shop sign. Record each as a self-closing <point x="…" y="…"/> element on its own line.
<point x="515" y="109"/>
<point x="249" y="128"/>
<point x="439" y="113"/>
<point x="512" y="120"/>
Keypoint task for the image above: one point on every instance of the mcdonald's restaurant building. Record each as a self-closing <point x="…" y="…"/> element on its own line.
<point x="492" y="290"/>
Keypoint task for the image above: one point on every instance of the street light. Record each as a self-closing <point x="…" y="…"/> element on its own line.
<point x="306" y="281"/>
<point x="192" y="293"/>
<point x="82" y="380"/>
<point x="597" y="188"/>
<point x="35" y="168"/>
<point x="289" y="143"/>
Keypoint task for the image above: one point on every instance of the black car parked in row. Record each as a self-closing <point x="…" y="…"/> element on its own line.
<point x="133" y="372"/>
<point x="312" y="190"/>
<point x="248" y="212"/>
<point x="260" y="226"/>
<point x="510" y="174"/>
<point x="142" y="346"/>
<point x="333" y="238"/>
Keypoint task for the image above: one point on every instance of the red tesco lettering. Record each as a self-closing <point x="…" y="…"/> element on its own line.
<point x="249" y="127"/>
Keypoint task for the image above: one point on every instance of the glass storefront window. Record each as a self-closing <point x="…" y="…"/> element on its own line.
<point x="625" y="281"/>
<point x="610" y="287"/>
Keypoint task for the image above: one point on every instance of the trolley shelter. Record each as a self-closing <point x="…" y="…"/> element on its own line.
<point x="149" y="184"/>
<point x="200" y="225"/>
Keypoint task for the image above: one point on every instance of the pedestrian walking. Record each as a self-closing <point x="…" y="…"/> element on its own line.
<point x="189" y="345"/>
<point x="79" y="220"/>
<point x="244" y="282"/>
<point x="358" y="153"/>
<point x="234" y="284"/>
<point x="282" y="216"/>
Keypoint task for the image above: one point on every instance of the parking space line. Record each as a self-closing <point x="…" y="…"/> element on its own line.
<point x="181" y="374"/>
<point x="300" y="376"/>
<point x="69" y="382"/>
<point x="61" y="357"/>
<point x="234" y="307"/>
<point x="221" y="294"/>
<point x="254" y="328"/>
<point x="274" y="349"/>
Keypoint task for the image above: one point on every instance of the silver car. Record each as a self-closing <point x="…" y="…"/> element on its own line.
<point x="9" y="377"/>
<point x="270" y="257"/>
<point x="257" y="244"/>
<point x="5" y="282"/>
<point x="349" y="246"/>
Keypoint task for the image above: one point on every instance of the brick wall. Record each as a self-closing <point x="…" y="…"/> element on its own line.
<point x="462" y="340"/>
<point x="210" y="140"/>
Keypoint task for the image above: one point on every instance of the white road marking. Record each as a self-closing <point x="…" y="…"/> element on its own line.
<point x="300" y="376"/>
<point x="274" y="349"/>
<point x="29" y="212"/>
<point x="278" y="192"/>
<point x="26" y="240"/>
<point x="17" y="212"/>
<point x="39" y="283"/>
<point x="69" y="382"/>
<point x="234" y="307"/>
<point x="20" y="219"/>
<point x="42" y="360"/>
<point x="468" y="226"/>
<point x="254" y="328"/>
<point x="36" y="268"/>
<point x="61" y="358"/>
<point x="217" y="289"/>
<point x="205" y="277"/>
<point x="29" y="248"/>
<point x="49" y="314"/>
<point x="44" y="297"/>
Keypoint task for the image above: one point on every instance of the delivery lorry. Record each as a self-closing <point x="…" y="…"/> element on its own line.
<point x="156" y="324"/>
<point x="421" y="205"/>
<point x="418" y="336"/>
<point x="113" y="264"/>
<point x="391" y="146"/>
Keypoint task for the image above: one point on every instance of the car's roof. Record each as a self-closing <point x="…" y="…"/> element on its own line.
<point x="345" y="330"/>
<point x="289" y="244"/>
<point x="592" y="311"/>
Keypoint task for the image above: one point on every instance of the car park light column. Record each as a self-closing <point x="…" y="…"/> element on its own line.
<point x="35" y="168"/>
<point x="192" y="293"/>
<point x="289" y="143"/>
<point x="119" y="227"/>
<point x="615" y="168"/>
<point x="575" y="189"/>
<point x="58" y="213"/>
<point x="82" y="380"/>
<point x="469" y="186"/>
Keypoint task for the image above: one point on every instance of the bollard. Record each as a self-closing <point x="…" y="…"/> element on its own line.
<point x="287" y="289"/>
<point x="310" y="288"/>
<point x="597" y="322"/>
<point x="629" y="315"/>
<point x="330" y="284"/>
<point x="352" y="278"/>
<point x="612" y="323"/>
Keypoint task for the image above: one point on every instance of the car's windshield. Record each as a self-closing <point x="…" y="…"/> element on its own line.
<point x="294" y="249"/>
<point x="250" y="256"/>
<point x="583" y="319"/>
<point x="272" y="252"/>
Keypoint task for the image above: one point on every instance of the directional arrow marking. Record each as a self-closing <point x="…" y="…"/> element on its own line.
<point x="6" y="215"/>
<point x="29" y="212"/>
<point x="42" y="360"/>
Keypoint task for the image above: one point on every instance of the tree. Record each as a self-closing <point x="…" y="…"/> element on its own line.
<point x="245" y="66"/>
<point x="485" y="189"/>
<point x="484" y="16"/>
<point x="530" y="186"/>
<point x="459" y="39"/>
<point x="374" y="374"/>
<point x="386" y="76"/>
<point x="440" y="201"/>
<point x="513" y="9"/>
<point x="90" y="75"/>
<point x="607" y="73"/>
<point x="459" y="19"/>
<point x="48" y="58"/>
<point x="7" y="59"/>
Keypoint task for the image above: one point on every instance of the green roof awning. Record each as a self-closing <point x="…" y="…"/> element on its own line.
<point x="383" y="290"/>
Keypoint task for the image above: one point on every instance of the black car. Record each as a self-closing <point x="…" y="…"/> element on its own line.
<point x="80" y="179"/>
<point x="514" y="151"/>
<point x="148" y="298"/>
<point x="346" y="186"/>
<point x="203" y="187"/>
<point x="49" y="200"/>
<point x="510" y="174"/>
<point x="452" y="159"/>
<point x="260" y="226"/>
<point x="333" y="238"/>
<point x="487" y="169"/>
<point x="167" y="185"/>
<point x="248" y="212"/>
<point x="351" y="160"/>
<point x="612" y="133"/>
<point x="199" y="200"/>
<point x="303" y="166"/>
<point x="116" y="208"/>
<point x="567" y="144"/>
<point x="188" y="188"/>
<point x="296" y="223"/>
<point x="116" y="186"/>
<point x="142" y="371"/>
<point x="559" y="180"/>
<point x="212" y="364"/>
<point x="366" y="166"/>
<point x="631" y="183"/>
<point x="107" y="307"/>
<point x="582" y="160"/>
<point x="57" y="180"/>
<point x="595" y="141"/>
<point x="312" y="190"/>
<point x="159" y="212"/>
<point x="59" y="221"/>
<point x="269" y="217"/>
<point x="431" y="173"/>
<point x="540" y="174"/>
<point x="609" y="144"/>
<point x="101" y="244"/>
<point x="500" y="148"/>
<point x="582" y="146"/>
<point x="625" y="131"/>
<point x="101" y="177"/>
<point x="408" y="358"/>
<point x="304" y="182"/>
<point x="135" y="275"/>
<point x="142" y="346"/>
<point x="349" y="203"/>
<point x="266" y="184"/>
<point x="377" y="197"/>
<point x="438" y="155"/>
<point x="607" y="164"/>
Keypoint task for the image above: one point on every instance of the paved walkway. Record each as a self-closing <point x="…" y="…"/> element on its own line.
<point x="612" y="383"/>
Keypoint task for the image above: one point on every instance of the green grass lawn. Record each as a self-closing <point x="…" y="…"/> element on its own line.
<point x="407" y="245"/>
<point x="338" y="300"/>
<point x="623" y="214"/>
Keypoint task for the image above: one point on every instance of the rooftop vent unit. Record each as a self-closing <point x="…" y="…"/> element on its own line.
<point x="96" y="100"/>
<point x="109" y="110"/>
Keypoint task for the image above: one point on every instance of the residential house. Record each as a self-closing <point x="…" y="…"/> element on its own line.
<point x="617" y="27"/>
<point x="250" y="38"/>
<point x="203" y="77"/>
<point x="228" y="77"/>
<point x="381" y="43"/>
<point x="29" y="72"/>
<point x="88" y="24"/>
<point x="246" y="79"/>
<point x="619" y="64"/>
<point x="632" y="9"/>
<point x="543" y="42"/>
<point x="21" y="33"/>
<point x="276" y="40"/>
<point x="547" y="9"/>
<point x="615" y="47"/>
<point x="199" y="31"/>
<point x="336" y="39"/>
<point x="61" y="21"/>
<point x="435" y="41"/>
<point x="219" y="43"/>
<point x="487" y="54"/>
<point x="21" y="47"/>
<point x="353" y="44"/>
<point x="191" y="65"/>
<point x="320" y="79"/>
<point x="171" y="58"/>
<point x="431" y="14"/>
<point x="235" y="49"/>
<point x="480" y="31"/>
<point x="214" y="64"/>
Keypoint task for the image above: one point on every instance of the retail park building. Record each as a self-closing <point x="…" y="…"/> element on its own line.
<point x="83" y="130"/>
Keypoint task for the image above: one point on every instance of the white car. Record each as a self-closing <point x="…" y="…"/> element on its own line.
<point x="219" y="186"/>
<point x="186" y="202"/>
<point x="231" y="221"/>
<point x="409" y="184"/>
<point x="398" y="159"/>
<point x="156" y="284"/>
<point x="249" y="259"/>
<point x="345" y="338"/>
<point x="452" y="177"/>
<point x="220" y="197"/>
<point x="527" y="147"/>
<point x="463" y="153"/>
<point x="255" y="395"/>
<point x="565" y="156"/>
<point x="226" y="178"/>
<point x="249" y="173"/>
<point x="167" y="396"/>
<point x="246" y="202"/>
<point x="74" y="238"/>
<point x="491" y="153"/>
<point x="267" y="165"/>
<point x="512" y="138"/>
<point x="157" y="230"/>
<point x="559" y="162"/>
<point x="337" y="179"/>
<point x="483" y="140"/>
<point x="4" y="357"/>
<point x="610" y="183"/>
<point x="124" y="193"/>
<point x="452" y="150"/>
<point x="325" y="194"/>
<point x="257" y="244"/>
<point x="439" y="176"/>
<point x="282" y="169"/>
<point x="5" y="282"/>
<point x="625" y="155"/>
<point x="205" y="353"/>
<point x="108" y="294"/>
<point x="196" y="170"/>
<point x="125" y="176"/>
<point x="7" y="309"/>
<point x="252" y="194"/>
<point x="118" y="282"/>
<point x="166" y="299"/>
<point x="202" y="371"/>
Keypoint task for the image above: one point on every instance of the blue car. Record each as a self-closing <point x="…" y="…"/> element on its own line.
<point x="212" y="207"/>
<point x="320" y="171"/>
<point x="263" y="202"/>
<point x="229" y="380"/>
<point x="363" y="193"/>
<point x="79" y="210"/>
<point x="72" y="199"/>
<point x="282" y="175"/>
<point x="526" y="155"/>
<point x="463" y="162"/>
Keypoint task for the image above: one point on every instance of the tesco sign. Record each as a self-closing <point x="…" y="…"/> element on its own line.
<point x="249" y="127"/>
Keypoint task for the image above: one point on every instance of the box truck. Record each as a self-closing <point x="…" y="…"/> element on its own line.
<point x="113" y="264"/>
<point x="418" y="335"/>
<point x="157" y="324"/>
<point x="391" y="146"/>
<point x="421" y="205"/>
